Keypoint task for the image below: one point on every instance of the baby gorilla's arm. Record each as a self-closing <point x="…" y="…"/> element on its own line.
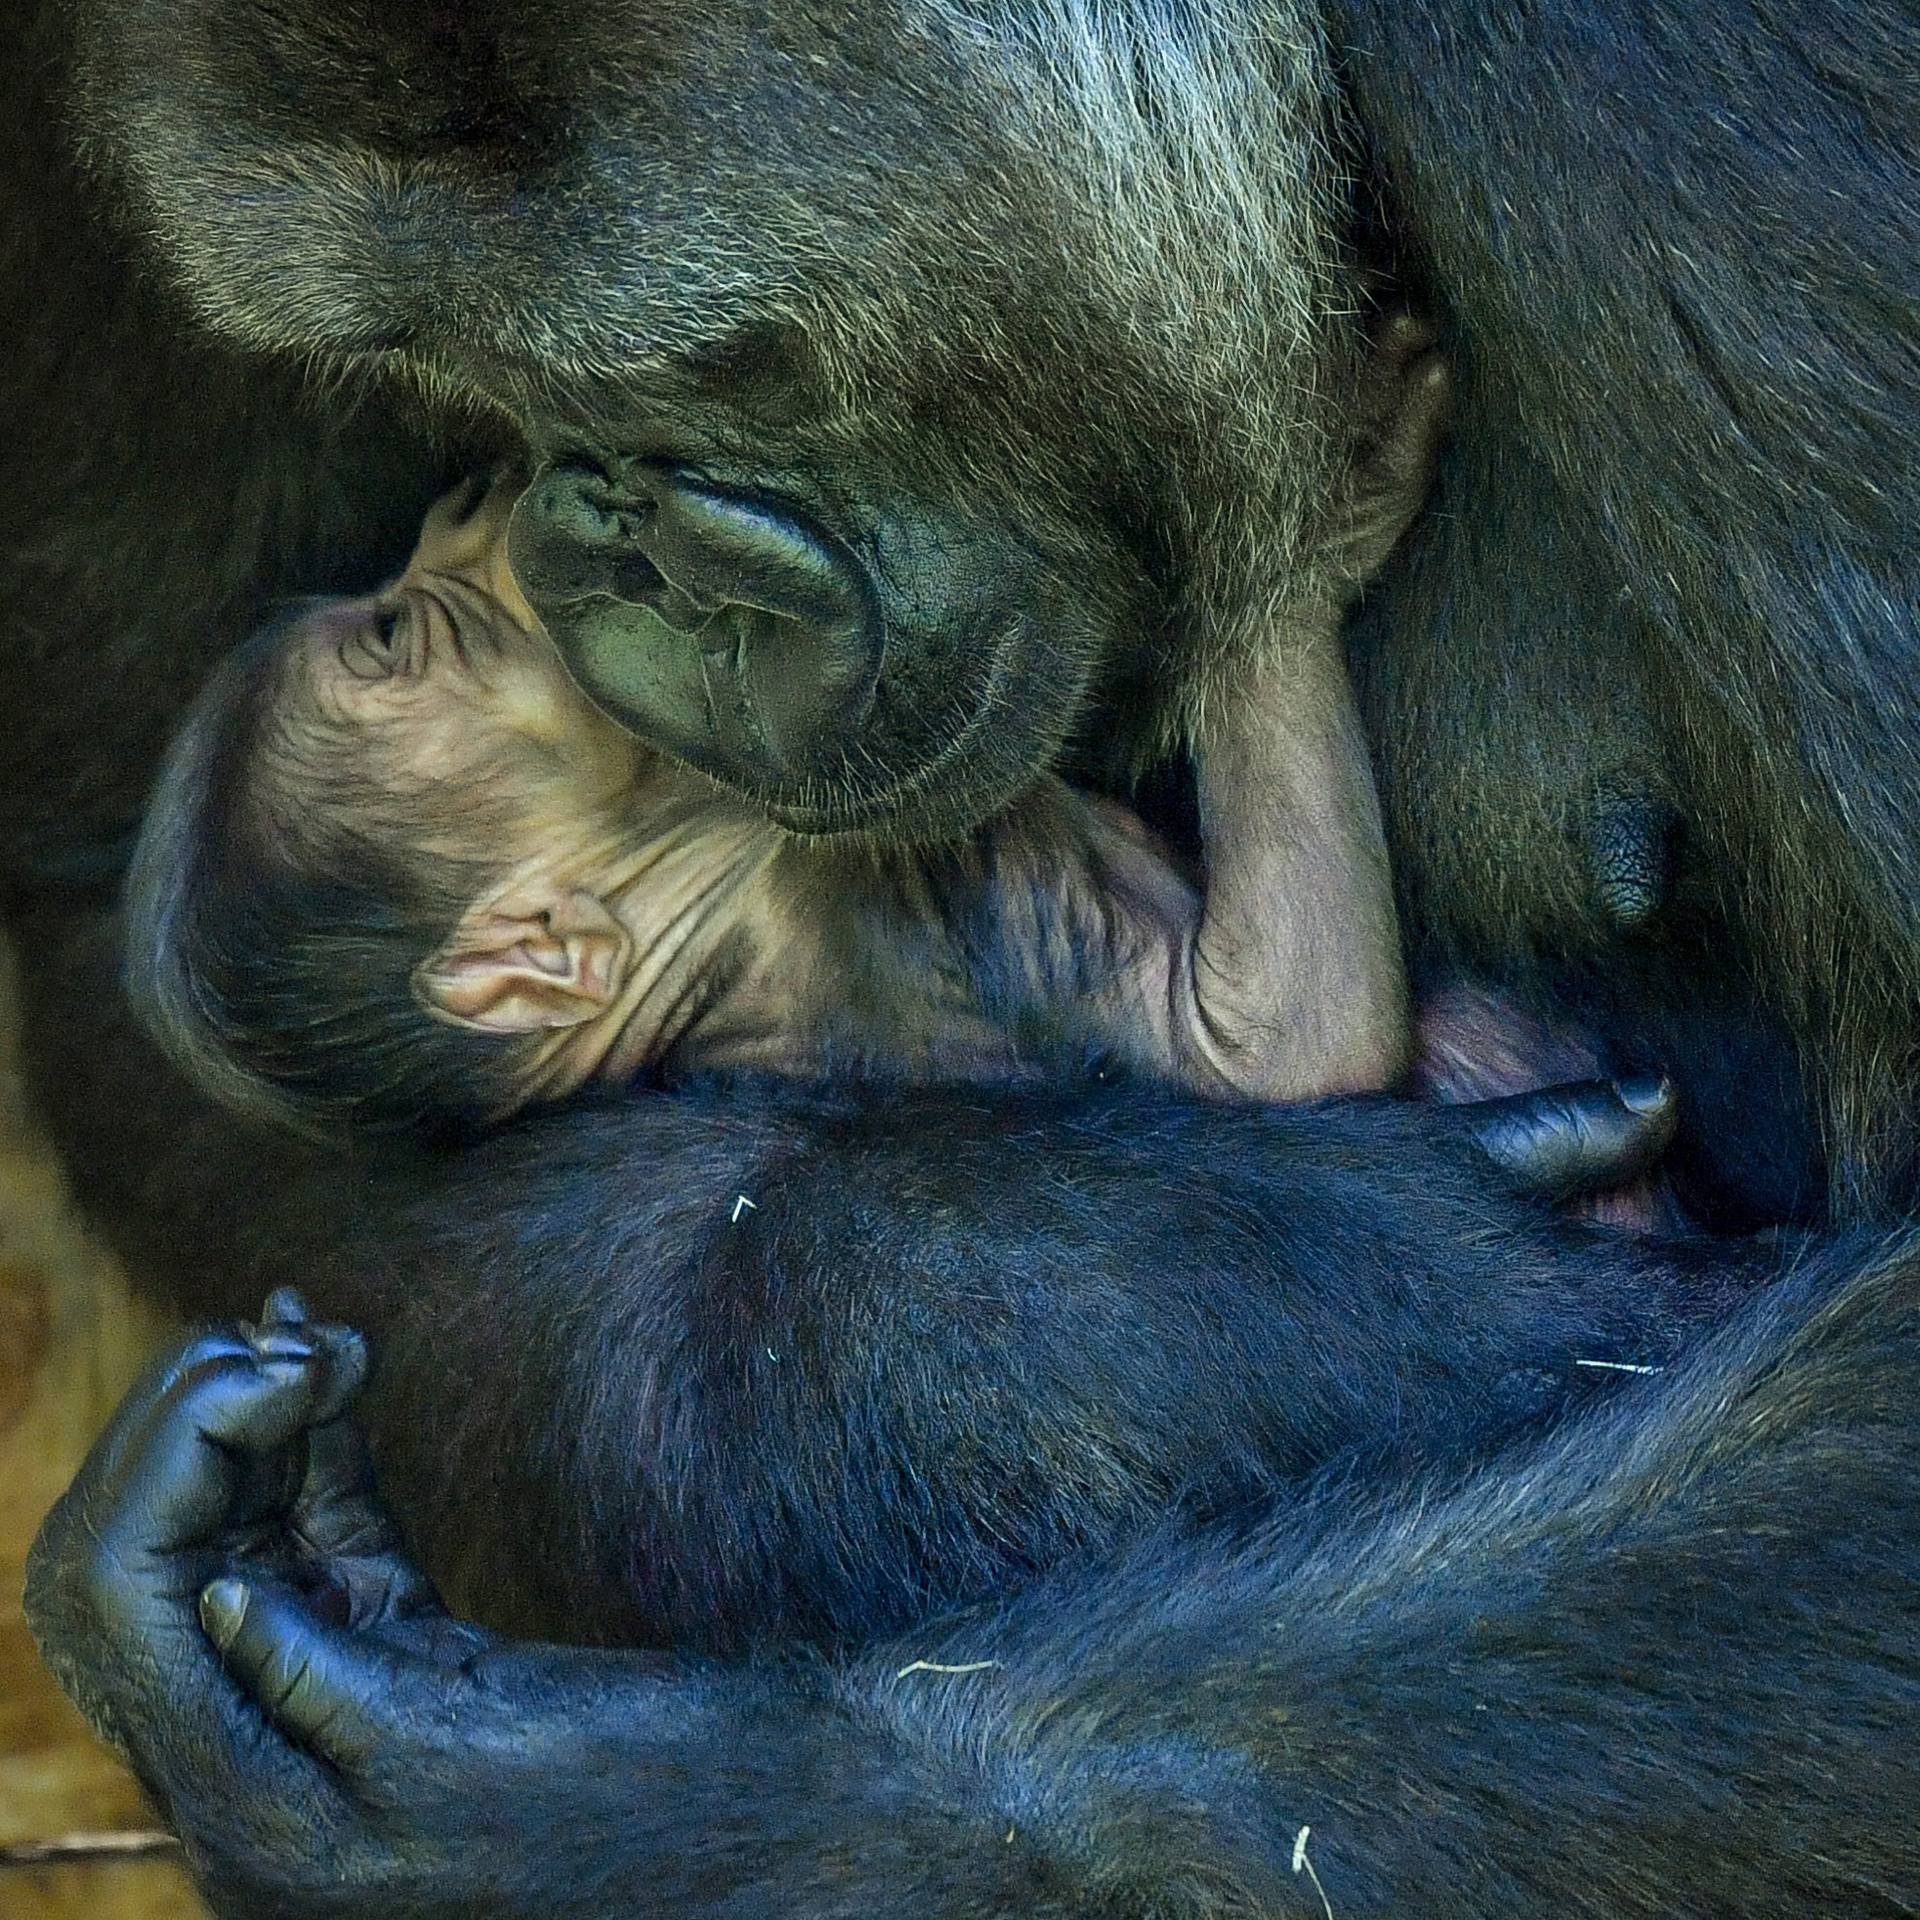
<point x="1293" y="985"/>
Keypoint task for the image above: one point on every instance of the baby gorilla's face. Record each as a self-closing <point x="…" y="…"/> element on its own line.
<point x="446" y="683"/>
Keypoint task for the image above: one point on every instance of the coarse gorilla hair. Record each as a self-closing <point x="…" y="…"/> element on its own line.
<point x="272" y="955"/>
<point x="1139" y="380"/>
<point x="969" y="284"/>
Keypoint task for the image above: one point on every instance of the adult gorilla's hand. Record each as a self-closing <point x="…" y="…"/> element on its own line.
<point x="224" y="1597"/>
<point x="222" y="1592"/>
<point x="1556" y="1143"/>
<point x="203" y="1460"/>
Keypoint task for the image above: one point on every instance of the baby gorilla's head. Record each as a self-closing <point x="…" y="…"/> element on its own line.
<point x="364" y="893"/>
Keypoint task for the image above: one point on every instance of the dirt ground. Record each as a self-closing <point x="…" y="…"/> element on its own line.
<point x="71" y="1337"/>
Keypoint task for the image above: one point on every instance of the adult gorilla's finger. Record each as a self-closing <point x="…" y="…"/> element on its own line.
<point x="121" y="1441"/>
<point x="339" y="1516"/>
<point x="172" y="1461"/>
<point x="178" y="1460"/>
<point x="341" y="1695"/>
<point x="337" y="1509"/>
<point x="1556" y="1142"/>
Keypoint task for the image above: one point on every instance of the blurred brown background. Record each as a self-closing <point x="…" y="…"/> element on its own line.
<point x="71" y="1338"/>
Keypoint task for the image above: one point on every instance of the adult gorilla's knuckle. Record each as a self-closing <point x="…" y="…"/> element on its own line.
<point x="44" y="1590"/>
<point x="287" y="1688"/>
<point x="207" y="1354"/>
<point x="88" y="1584"/>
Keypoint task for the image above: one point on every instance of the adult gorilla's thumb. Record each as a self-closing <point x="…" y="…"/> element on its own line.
<point x="1556" y="1142"/>
<point x="333" y="1691"/>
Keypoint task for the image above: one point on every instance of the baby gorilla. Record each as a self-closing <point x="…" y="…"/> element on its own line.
<point x="402" y="873"/>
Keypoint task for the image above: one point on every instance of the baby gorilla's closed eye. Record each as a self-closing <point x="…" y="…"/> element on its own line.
<point x="372" y="648"/>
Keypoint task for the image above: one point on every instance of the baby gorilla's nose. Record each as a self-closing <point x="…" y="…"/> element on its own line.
<point x="714" y="622"/>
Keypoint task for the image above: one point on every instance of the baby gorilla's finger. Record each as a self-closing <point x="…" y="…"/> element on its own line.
<point x="341" y="1695"/>
<point x="1556" y="1142"/>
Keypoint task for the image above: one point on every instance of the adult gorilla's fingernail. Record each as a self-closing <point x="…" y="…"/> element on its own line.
<point x="292" y="1345"/>
<point x="1644" y="1093"/>
<point x="223" y="1611"/>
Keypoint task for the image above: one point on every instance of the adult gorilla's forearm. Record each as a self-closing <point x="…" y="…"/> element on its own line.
<point x="775" y="1360"/>
<point x="1661" y="1661"/>
<point x="1662" y="1664"/>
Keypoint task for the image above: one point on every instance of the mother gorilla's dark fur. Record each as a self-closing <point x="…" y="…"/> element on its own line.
<point x="1037" y="309"/>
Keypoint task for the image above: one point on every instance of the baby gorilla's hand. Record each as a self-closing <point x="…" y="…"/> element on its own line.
<point x="1293" y="986"/>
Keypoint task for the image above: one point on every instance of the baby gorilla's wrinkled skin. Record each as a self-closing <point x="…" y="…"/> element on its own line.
<point x="632" y="919"/>
<point x="639" y="921"/>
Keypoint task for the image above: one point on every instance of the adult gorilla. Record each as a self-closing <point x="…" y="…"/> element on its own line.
<point x="1031" y="318"/>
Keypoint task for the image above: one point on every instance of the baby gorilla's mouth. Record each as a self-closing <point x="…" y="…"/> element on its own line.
<point x="585" y="540"/>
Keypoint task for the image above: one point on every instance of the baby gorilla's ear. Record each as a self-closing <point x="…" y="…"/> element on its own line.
<point x="526" y="961"/>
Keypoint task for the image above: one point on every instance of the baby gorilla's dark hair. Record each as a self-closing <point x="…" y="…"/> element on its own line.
<point x="271" y="950"/>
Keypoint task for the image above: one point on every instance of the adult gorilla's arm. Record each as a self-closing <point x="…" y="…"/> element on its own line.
<point x="1662" y="1662"/>
<point x="1677" y="250"/>
<point x="774" y="1361"/>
